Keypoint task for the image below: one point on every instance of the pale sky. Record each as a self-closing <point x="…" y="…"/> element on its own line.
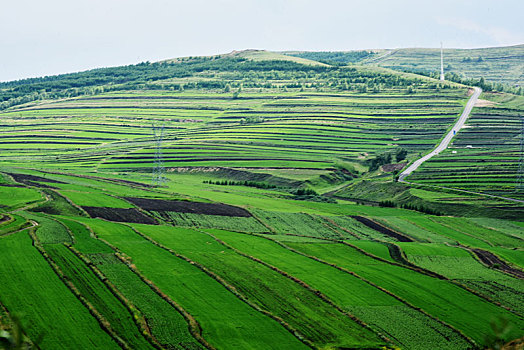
<point x="46" y="37"/>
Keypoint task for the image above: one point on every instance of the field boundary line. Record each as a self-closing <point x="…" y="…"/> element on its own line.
<point x="452" y="281"/>
<point x="470" y="340"/>
<point x="230" y="288"/>
<point x="476" y="255"/>
<point x="330" y="221"/>
<point x="136" y="314"/>
<point x="303" y="284"/>
<point x="104" y="324"/>
<point x="464" y="191"/>
<point x="31" y="222"/>
<point x="194" y="327"/>
<point x="458" y="230"/>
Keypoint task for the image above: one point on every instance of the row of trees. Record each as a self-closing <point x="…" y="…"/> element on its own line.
<point x="255" y="184"/>
<point x="417" y="207"/>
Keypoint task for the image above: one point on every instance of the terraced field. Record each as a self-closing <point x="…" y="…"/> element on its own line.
<point x="295" y="130"/>
<point x="485" y="155"/>
<point x="258" y="238"/>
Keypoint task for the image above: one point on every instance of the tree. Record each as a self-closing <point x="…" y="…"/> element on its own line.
<point x="401" y="154"/>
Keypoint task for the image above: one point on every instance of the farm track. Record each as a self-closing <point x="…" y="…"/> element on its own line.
<point x="32" y="225"/>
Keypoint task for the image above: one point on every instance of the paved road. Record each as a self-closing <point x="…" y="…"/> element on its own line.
<point x="445" y="142"/>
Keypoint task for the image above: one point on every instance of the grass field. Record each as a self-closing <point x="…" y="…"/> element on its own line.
<point x="277" y="222"/>
<point x="366" y="302"/>
<point x="49" y="309"/>
<point x="224" y="318"/>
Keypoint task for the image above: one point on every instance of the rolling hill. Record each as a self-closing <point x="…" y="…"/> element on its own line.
<point x="273" y="219"/>
<point x="503" y="65"/>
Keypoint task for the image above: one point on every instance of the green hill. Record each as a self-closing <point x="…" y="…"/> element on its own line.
<point x="248" y="200"/>
<point x="503" y="65"/>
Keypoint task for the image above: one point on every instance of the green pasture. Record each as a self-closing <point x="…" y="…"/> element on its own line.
<point x="47" y="308"/>
<point x="378" y="309"/>
<point x="225" y="319"/>
<point x="314" y="319"/>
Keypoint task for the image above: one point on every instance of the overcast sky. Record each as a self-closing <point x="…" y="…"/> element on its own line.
<point x="59" y="36"/>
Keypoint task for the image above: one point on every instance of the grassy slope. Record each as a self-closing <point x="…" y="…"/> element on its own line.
<point x="366" y="302"/>
<point x="295" y="125"/>
<point x="448" y="302"/>
<point x="226" y="321"/>
<point x="499" y="64"/>
<point x="48" y="307"/>
<point x="299" y="307"/>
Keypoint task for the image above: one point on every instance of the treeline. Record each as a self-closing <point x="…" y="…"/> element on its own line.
<point x="255" y="184"/>
<point x="409" y="206"/>
<point x="336" y="57"/>
<point x="386" y="158"/>
<point x="135" y="77"/>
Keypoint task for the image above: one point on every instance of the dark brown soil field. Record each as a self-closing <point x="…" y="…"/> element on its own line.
<point x="11" y="185"/>
<point x="120" y="215"/>
<point x="382" y="229"/>
<point x="23" y="178"/>
<point x="189" y="207"/>
<point x="32" y="180"/>
<point x="493" y="261"/>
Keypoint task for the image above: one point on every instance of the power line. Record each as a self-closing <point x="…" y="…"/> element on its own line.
<point x="158" y="170"/>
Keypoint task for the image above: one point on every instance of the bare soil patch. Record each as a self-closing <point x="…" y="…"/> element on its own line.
<point x="493" y="261"/>
<point x="33" y="180"/>
<point x="120" y="215"/>
<point x="189" y="207"/>
<point x="382" y="229"/>
<point x="484" y="103"/>
<point x="392" y="167"/>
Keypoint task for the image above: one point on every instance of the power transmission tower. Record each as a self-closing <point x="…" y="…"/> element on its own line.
<point x="519" y="187"/>
<point x="158" y="170"/>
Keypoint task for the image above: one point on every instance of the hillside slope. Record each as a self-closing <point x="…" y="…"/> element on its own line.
<point x="496" y="64"/>
<point x="217" y="203"/>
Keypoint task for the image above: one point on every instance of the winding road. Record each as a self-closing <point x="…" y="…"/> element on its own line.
<point x="445" y="142"/>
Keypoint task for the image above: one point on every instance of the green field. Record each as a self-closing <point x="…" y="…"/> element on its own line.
<point x="276" y="222"/>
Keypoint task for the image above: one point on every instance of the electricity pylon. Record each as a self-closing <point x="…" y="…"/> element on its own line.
<point x="158" y="170"/>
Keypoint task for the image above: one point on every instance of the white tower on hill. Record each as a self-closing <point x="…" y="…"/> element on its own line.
<point x="441" y="63"/>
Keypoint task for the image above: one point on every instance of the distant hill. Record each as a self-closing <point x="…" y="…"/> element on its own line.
<point x="497" y="64"/>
